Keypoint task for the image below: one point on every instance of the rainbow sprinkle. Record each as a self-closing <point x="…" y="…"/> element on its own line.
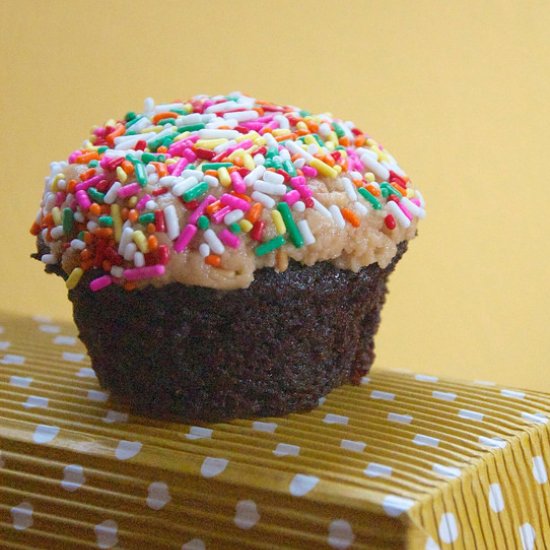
<point x="209" y="175"/>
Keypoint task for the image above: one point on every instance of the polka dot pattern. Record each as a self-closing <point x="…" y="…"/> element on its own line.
<point x="397" y="449"/>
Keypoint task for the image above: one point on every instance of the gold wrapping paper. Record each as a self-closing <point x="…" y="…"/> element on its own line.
<point x="401" y="461"/>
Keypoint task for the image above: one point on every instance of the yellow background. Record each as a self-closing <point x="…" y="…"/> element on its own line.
<point x="459" y="92"/>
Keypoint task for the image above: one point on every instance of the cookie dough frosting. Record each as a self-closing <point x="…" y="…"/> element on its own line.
<point x="207" y="191"/>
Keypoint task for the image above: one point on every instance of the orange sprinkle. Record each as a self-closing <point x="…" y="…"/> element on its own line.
<point x="360" y="140"/>
<point x="130" y="285"/>
<point x="47" y="220"/>
<point x="302" y="132"/>
<point x="312" y="126"/>
<point x="124" y="214"/>
<point x="151" y="228"/>
<point x="88" y="174"/>
<point x="255" y="212"/>
<point x="160" y="167"/>
<point x="214" y="207"/>
<point x="373" y="190"/>
<point x="238" y="161"/>
<point x="400" y="189"/>
<point x="328" y="159"/>
<point x="241" y="196"/>
<point x="213" y="260"/>
<point x="162" y="149"/>
<point x="85" y="254"/>
<point x="211" y="173"/>
<point x="133" y="215"/>
<point x="87" y="264"/>
<point x="118" y="131"/>
<point x="344" y="141"/>
<point x="106" y="265"/>
<point x="71" y="186"/>
<point x="351" y="217"/>
<point x="127" y="166"/>
<point x="295" y="157"/>
<point x="88" y="237"/>
<point x="285" y="137"/>
<point x="87" y="157"/>
<point x="103" y="232"/>
<point x="152" y="241"/>
<point x="161" y="116"/>
<point x="95" y="209"/>
<point x="35" y="229"/>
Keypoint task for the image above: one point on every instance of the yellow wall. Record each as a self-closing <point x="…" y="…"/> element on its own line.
<point x="459" y="91"/>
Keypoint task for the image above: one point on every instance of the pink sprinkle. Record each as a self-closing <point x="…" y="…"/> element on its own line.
<point x="220" y="214"/>
<point x="416" y="201"/>
<point x="177" y="168"/>
<point x="89" y="182"/>
<point x="143" y="201"/>
<point x="197" y="213"/>
<point x="59" y="198"/>
<point x="253" y="125"/>
<point x="110" y="163"/>
<point x="265" y="118"/>
<point x="405" y="210"/>
<point x="189" y="154"/>
<point x="291" y="197"/>
<point x="309" y="171"/>
<point x="234" y="202"/>
<point x="297" y="180"/>
<point x="179" y="147"/>
<point x="242" y="145"/>
<point x="147" y="272"/>
<point x="304" y="191"/>
<point x="83" y="200"/>
<point x="185" y="237"/>
<point x="74" y="155"/>
<point x="230" y="239"/>
<point x="128" y="190"/>
<point x="238" y="183"/>
<point x="100" y="282"/>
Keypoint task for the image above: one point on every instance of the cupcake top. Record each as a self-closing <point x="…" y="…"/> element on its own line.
<point x="205" y="192"/>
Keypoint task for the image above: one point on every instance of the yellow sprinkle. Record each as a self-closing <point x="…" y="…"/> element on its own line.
<point x="182" y="136"/>
<point x="55" y="181"/>
<point x="224" y="177"/>
<point x="210" y="143"/>
<point x="121" y="174"/>
<point x="281" y="132"/>
<point x="382" y="156"/>
<point x="309" y="139"/>
<point x="323" y="168"/>
<point x="173" y="160"/>
<point x="260" y="141"/>
<point x="248" y="162"/>
<point x="301" y="125"/>
<point x="251" y="135"/>
<point x="111" y="122"/>
<point x="338" y="168"/>
<point x="245" y="225"/>
<point x="141" y="241"/>
<point x="56" y="214"/>
<point x="369" y="176"/>
<point x="132" y="201"/>
<point x="410" y="193"/>
<point x="156" y="129"/>
<point x="188" y="107"/>
<point x="117" y="221"/>
<point x="333" y="138"/>
<point x="372" y="143"/>
<point x="280" y="226"/>
<point x="74" y="277"/>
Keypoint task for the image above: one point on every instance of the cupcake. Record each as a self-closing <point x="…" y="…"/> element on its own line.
<point x="225" y="256"/>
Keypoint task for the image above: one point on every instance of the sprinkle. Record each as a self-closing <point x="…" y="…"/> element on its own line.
<point x="337" y="216"/>
<point x="213" y="260"/>
<point x="370" y="198"/>
<point x="147" y="272"/>
<point x="128" y="190"/>
<point x="139" y="259"/>
<point x="389" y="220"/>
<point x="181" y="185"/>
<point x="269" y="246"/>
<point x="100" y="283"/>
<point x="195" y="192"/>
<point x="83" y="200"/>
<point x="270" y="188"/>
<point x="172" y="222"/>
<point x="398" y="214"/>
<point x="141" y="241"/>
<point x="280" y="226"/>
<point x="321" y="209"/>
<point x="233" y="216"/>
<point x="414" y="209"/>
<point x="323" y="168"/>
<point x="257" y="230"/>
<point x="204" y="250"/>
<point x="49" y="259"/>
<point x="351" y="217"/>
<point x="214" y="242"/>
<point x="267" y="201"/>
<point x="230" y="239"/>
<point x="349" y="188"/>
<point x="254" y="175"/>
<point x="74" y="278"/>
<point x="299" y="206"/>
<point x="295" y="235"/>
<point x="306" y="233"/>
<point x="235" y="202"/>
<point x="185" y="237"/>
<point x="215" y="165"/>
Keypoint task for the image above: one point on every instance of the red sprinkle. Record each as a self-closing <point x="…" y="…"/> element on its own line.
<point x="389" y="220"/>
<point x="160" y="226"/>
<point x="257" y="230"/>
<point x="163" y="254"/>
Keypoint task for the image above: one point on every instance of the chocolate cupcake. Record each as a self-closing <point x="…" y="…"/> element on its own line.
<point x="226" y="257"/>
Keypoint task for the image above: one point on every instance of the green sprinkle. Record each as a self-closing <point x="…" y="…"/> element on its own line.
<point x="95" y="195"/>
<point x="195" y="192"/>
<point x="139" y="169"/>
<point x="129" y="116"/>
<point x="272" y="152"/>
<point x="235" y="228"/>
<point x="150" y="157"/>
<point x="68" y="220"/>
<point x="269" y="246"/>
<point x="191" y="128"/>
<point x="388" y="189"/>
<point x="318" y="140"/>
<point x="132" y="122"/>
<point x="178" y="111"/>
<point x="105" y="221"/>
<point x="166" y="121"/>
<point x="289" y="168"/>
<point x="338" y="130"/>
<point x="277" y="163"/>
<point x="268" y="163"/>
<point x="215" y="165"/>
<point x="147" y="218"/>
<point x="370" y="198"/>
<point x="102" y="149"/>
<point x="93" y="163"/>
<point x="292" y="228"/>
<point x="303" y="113"/>
<point x="203" y="222"/>
<point x="154" y="144"/>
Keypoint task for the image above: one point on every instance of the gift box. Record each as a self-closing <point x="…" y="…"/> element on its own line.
<point x="402" y="460"/>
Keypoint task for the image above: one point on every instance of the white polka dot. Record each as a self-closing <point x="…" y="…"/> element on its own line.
<point x="35" y="401"/>
<point x="425" y="440"/>
<point x="496" y="500"/>
<point x="383" y="395"/>
<point x="494" y="442"/>
<point x="11" y="359"/>
<point x="158" y="495"/>
<point x="22" y="515"/>
<point x="211" y="467"/>
<point x="44" y="434"/>
<point x="515" y="394"/>
<point x="394" y="506"/>
<point x="336" y="419"/>
<point x="302" y="484"/>
<point x="470" y="415"/>
<point x="127" y="449"/>
<point x="246" y="514"/>
<point x="539" y="470"/>
<point x="73" y="357"/>
<point x="349" y="445"/>
<point x="448" y="528"/>
<point x="444" y="395"/>
<point x="96" y="395"/>
<point x="537" y="418"/>
<point x="4" y="345"/>
<point x="400" y="418"/>
<point x="61" y="340"/>
<point x="195" y="544"/>
<point x="198" y="432"/>
<point x="377" y="470"/>
<point x="106" y="533"/>
<point x="268" y="427"/>
<point x="447" y="471"/>
<point x="21" y="381"/>
<point x="431" y="545"/>
<point x="51" y="329"/>
<point x="340" y="534"/>
<point x="285" y="449"/>
<point x="527" y="535"/>
<point x="426" y="378"/>
<point x="86" y="372"/>
<point x="365" y="380"/>
<point x="73" y="477"/>
<point x="114" y="416"/>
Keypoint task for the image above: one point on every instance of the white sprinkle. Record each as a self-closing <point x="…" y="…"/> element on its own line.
<point x="254" y="175"/>
<point x="183" y="185"/>
<point x="222" y="107"/>
<point x="149" y="106"/>
<point x="193" y="173"/>
<point x="285" y="155"/>
<point x="125" y="239"/>
<point x="282" y="121"/>
<point x="166" y="132"/>
<point x="57" y="232"/>
<point x="368" y="158"/>
<point x="127" y="142"/>
<point x="398" y="214"/>
<point x="267" y="201"/>
<point x="241" y="116"/>
<point x="129" y="252"/>
<point x="78" y="216"/>
<point x="172" y="222"/>
<point x="117" y="271"/>
<point x="412" y="208"/>
<point x="306" y="233"/>
<point x="211" y="133"/>
<point x="111" y="195"/>
<point x="49" y="259"/>
<point x="215" y="244"/>
<point x="139" y="259"/>
<point x="420" y="198"/>
<point x="299" y="206"/>
<point x="204" y="250"/>
<point x="259" y="159"/>
<point x="296" y="149"/>
<point x="349" y="188"/>
<point x="188" y="120"/>
<point x="212" y="181"/>
<point x="337" y="216"/>
<point x="321" y="209"/>
<point x="91" y="226"/>
<point x="151" y="205"/>
<point x="166" y="107"/>
<point x="313" y="148"/>
<point x="324" y="129"/>
<point x="360" y="208"/>
<point x="273" y="177"/>
<point x="233" y="217"/>
<point x="299" y="163"/>
<point x="270" y="188"/>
